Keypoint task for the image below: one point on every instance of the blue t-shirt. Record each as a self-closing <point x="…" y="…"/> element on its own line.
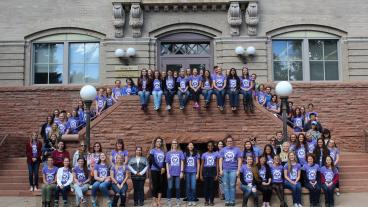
<point x="174" y="158"/>
<point x="72" y="125"/>
<point x="230" y="157"/>
<point x="191" y="163"/>
<point x="159" y="158"/>
<point x="261" y="97"/>
<point x="247" y="173"/>
<point x="109" y="101"/>
<point x="195" y="80"/>
<point x="62" y="127"/>
<point x="311" y="171"/>
<point x="210" y="159"/>
<point x="311" y="145"/>
<point x="117" y="92"/>
<point x="276" y="173"/>
<point x="219" y="80"/>
<point x="183" y="82"/>
<point x="298" y="123"/>
<point x="80" y="174"/>
<point x="293" y="173"/>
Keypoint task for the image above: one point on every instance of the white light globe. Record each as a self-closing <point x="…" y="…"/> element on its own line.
<point x="251" y="50"/>
<point x="284" y="88"/>
<point x="239" y="50"/>
<point x="130" y="52"/>
<point x="88" y="93"/>
<point x="119" y="52"/>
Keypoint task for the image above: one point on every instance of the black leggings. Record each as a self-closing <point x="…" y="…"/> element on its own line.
<point x="157" y="183"/>
<point x="195" y="94"/>
<point x="266" y="192"/>
<point x="279" y="190"/>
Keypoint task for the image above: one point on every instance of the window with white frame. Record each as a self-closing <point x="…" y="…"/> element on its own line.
<point x="305" y="56"/>
<point x="66" y="58"/>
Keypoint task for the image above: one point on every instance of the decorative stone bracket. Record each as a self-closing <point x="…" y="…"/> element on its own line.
<point x="234" y="18"/>
<point x="251" y="18"/>
<point x="119" y="19"/>
<point x="136" y="19"/>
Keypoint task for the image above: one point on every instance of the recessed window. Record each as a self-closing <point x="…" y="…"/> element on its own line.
<point x="83" y="62"/>
<point x="323" y="60"/>
<point x="287" y="60"/>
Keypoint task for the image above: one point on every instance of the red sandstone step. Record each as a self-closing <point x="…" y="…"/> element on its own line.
<point x="13" y="172"/>
<point x="353" y="168"/>
<point x="16" y="179"/>
<point x="15" y="193"/>
<point x="14" y="186"/>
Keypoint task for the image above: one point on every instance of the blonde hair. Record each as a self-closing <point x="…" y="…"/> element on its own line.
<point x="289" y="162"/>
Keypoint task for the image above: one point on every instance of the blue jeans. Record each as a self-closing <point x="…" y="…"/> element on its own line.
<point x="207" y="94"/>
<point x="229" y="180"/>
<point x="247" y="192"/>
<point x="190" y="183"/>
<point x="220" y="97"/>
<point x="234" y="98"/>
<point x="79" y="191"/>
<point x="157" y="98"/>
<point x="33" y="173"/>
<point x="103" y="187"/>
<point x="143" y="97"/>
<point x="329" y="194"/>
<point x="169" y="97"/>
<point x="183" y="98"/>
<point x="297" y="191"/>
<point x="170" y="184"/>
<point x="122" y="191"/>
<point x="247" y="98"/>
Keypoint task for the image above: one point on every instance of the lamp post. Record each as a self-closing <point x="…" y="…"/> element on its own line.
<point x="88" y="94"/>
<point x="283" y="90"/>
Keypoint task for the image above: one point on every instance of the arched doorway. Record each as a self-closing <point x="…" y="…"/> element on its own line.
<point x="185" y="50"/>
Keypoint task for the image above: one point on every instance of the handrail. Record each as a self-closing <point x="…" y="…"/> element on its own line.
<point x="3" y="139"/>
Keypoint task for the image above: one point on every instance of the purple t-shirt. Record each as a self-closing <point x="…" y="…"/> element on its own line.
<point x="49" y="173"/>
<point x="230" y="157"/>
<point x="207" y="84"/>
<point x="81" y="175"/>
<point x="261" y="97"/>
<point x="116" y="91"/>
<point x="301" y="153"/>
<point x="276" y="173"/>
<point x="34" y="150"/>
<point x="329" y="174"/>
<point x="100" y="101"/>
<point x="311" y="171"/>
<point x="183" y="82"/>
<point x="103" y="170"/>
<point x="209" y="159"/>
<point x="157" y="85"/>
<point x="119" y="173"/>
<point x="232" y="83"/>
<point x="191" y="163"/>
<point x="62" y="127"/>
<point x="159" y="157"/>
<point x="262" y="173"/>
<point x="311" y="145"/>
<point x="195" y="80"/>
<point x="72" y="125"/>
<point x="269" y="160"/>
<point x="245" y="82"/>
<point x="219" y="80"/>
<point x="170" y="84"/>
<point x="293" y="174"/>
<point x="298" y="123"/>
<point x="334" y="152"/>
<point x="247" y="173"/>
<point x="109" y="101"/>
<point x="273" y="106"/>
<point x="292" y="147"/>
<point x="114" y="153"/>
<point x="173" y="158"/>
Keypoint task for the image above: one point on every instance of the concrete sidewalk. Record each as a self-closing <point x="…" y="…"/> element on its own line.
<point x="345" y="200"/>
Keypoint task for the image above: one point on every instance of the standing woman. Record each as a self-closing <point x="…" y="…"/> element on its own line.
<point x="220" y="146"/>
<point x="64" y="178"/>
<point x="219" y="85"/>
<point x="175" y="168"/>
<point x="192" y="163"/>
<point x="80" y="153"/>
<point x="246" y="90"/>
<point x="207" y="87"/>
<point x="183" y="93"/>
<point x="233" y="89"/>
<point x="261" y="95"/>
<point x="311" y="180"/>
<point x="102" y="180"/>
<point x="298" y="120"/>
<point x="249" y="179"/>
<point x="100" y="101"/>
<point x="320" y="152"/>
<point x="138" y="166"/>
<point x="81" y="179"/>
<point x="301" y="149"/>
<point x="195" y="82"/>
<point x="249" y="151"/>
<point x="157" y="162"/>
<point x="109" y="99"/>
<point x="119" y="176"/>
<point x="116" y="90"/>
<point x="265" y="186"/>
<point x="284" y="153"/>
<point x="119" y="150"/>
<point x="33" y="152"/>
<point x="335" y="155"/>
<point x="230" y="163"/>
<point x="49" y="181"/>
<point x="169" y="85"/>
<point x="208" y="173"/>
<point x="292" y="172"/>
<point x="144" y="88"/>
<point x="329" y="179"/>
<point x="157" y="90"/>
<point x="46" y="128"/>
<point x="129" y="89"/>
<point x="277" y="180"/>
<point x="326" y="135"/>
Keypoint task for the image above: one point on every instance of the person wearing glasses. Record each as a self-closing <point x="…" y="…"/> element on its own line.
<point x="81" y="152"/>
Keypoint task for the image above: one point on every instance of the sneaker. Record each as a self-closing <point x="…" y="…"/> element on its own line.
<point x="296" y="205"/>
<point x="300" y="205"/>
<point x="31" y="189"/>
<point x="177" y="202"/>
<point x="221" y="108"/>
<point x="189" y="203"/>
<point x="337" y="193"/>
<point x="35" y="188"/>
<point x="94" y="204"/>
<point x="168" y="107"/>
<point x="206" y="203"/>
<point x="212" y="204"/>
<point x="181" y="107"/>
<point x="194" y="203"/>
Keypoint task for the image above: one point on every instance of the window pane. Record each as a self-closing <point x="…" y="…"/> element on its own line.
<point x="198" y="66"/>
<point x="92" y="73"/>
<point x="294" y="50"/>
<point x="315" y="49"/>
<point x="76" y="53"/>
<point x="41" y="73"/>
<point x="41" y="53"/>
<point x="280" y="70"/>
<point x="316" y="70"/>
<point x="92" y="53"/>
<point x="76" y="73"/>
<point x="332" y="70"/>
<point x="330" y="49"/>
<point x="55" y="74"/>
<point x="56" y="53"/>
<point x="174" y="67"/>
<point x="279" y="50"/>
<point x="296" y="71"/>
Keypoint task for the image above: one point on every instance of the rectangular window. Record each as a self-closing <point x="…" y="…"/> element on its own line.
<point x="84" y="62"/>
<point x="287" y="60"/>
<point x="48" y="63"/>
<point x="323" y="60"/>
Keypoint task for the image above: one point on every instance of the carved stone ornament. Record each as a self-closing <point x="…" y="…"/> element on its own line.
<point x="251" y="18"/>
<point x="119" y="19"/>
<point x="234" y="18"/>
<point x="136" y="19"/>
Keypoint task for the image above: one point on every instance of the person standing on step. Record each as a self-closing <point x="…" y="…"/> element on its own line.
<point x="175" y="169"/>
<point x="157" y="90"/>
<point x="144" y="88"/>
<point x="192" y="163"/>
<point x="219" y="85"/>
<point x="34" y="153"/>
<point x="292" y="174"/>
<point x="100" y="101"/>
<point x="119" y="150"/>
<point x="102" y="180"/>
<point x="311" y="180"/>
<point x="49" y="181"/>
<point x="277" y="180"/>
<point x="206" y="87"/>
<point x="195" y="82"/>
<point x="320" y="152"/>
<point x="335" y="154"/>
<point x="81" y="179"/>
<point x="119" y="176"/>
<point x="138" y="166"/>
<point x="64" y="179"/>
<point x="329" y="179"/>
<point x="116" y="90"/>
<point x="157" y="162"/>
<point x="183" y="92"/>
<point x="233" y="89"/>
<point x="208" y="173"/>
<point x="261" y="95"/>
<point x="169" y="85"/>
<point x="220" y="146"/>
<point x="246" y="85"/>
<point x="265" y="185"/>
<point x="229" y="164"/>
<point x="109" y="99"/>
<point x="249" y="179"/>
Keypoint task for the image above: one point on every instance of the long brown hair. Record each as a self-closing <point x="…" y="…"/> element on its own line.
<point x="163" y="144"/>
<point x="254" y="169"/>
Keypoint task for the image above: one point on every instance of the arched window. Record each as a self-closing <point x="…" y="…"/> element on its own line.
<point x="306" y="56"/>
<point x="66" y="58"/>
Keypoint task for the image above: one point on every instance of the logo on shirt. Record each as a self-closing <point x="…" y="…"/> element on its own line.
<point x="81" y="176"/>
<point x="210" y="161"/>
<point x="294" y="174"/>
<point x="195" y="83"/>
<point x="103" y="172"/>
<point x="249" y="176"/>
<point x="301" y="153"/>
<point x="232" y="83"/>
<point x="245" y="83"/>
<point x="329" y="176"/>
<point x="277" y="175"/>
<point x="229" y="156"/>
<point x="65" y="177"/>
<point x="49" y="177"/>
<point x="207" y="84"/>
<point x="73" y="124"/>
<point x="174" y="160"/>
<point x="190" y="162"/>
<point x="262" y="174"/>
<point x="219" y="83"/>
<point x="312" y="174"/>
<point x="100" y="103"/>
<point x="34" y="149"/>
<point x="182" y="84"/>
<point x="157" y="84"/>
<point x="120" y="176"/>
<point x="170" y="84"/>
<point x="298" y="122"/>
<point x="160" y="157"/>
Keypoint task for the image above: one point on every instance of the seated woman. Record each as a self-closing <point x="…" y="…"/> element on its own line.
<point x="249" y="179"/>
<point x="169" y="86"/>
<point x="81" y="179"/>
<point x="119" y="176"/>
<point x="183" y="92"/>
<point x="329" y="179"/>
<point x="274" y="105"/>
<point x="157" y="90"/>
<point x="129" y="88"/>
<point x="59" y="154"/>
<point x="233" y="89"/>
<point x="72" y="127"/>
<point x="277" y="180"/>
<point x="292" y="174"/>
<point x="311" y="180"/>
<point x="144" y="88"/>
<point x="195" y="82"/>
<point x="100" y="101"/>
<point x="64" y="178"/>
<point x="206" y="87"/>
<point x="219" y="85"/>
<point x="265" y="185"/>
<point x="102" y="180"/>
<point x="49" y="181"/>
<point x="335" y="154"/>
